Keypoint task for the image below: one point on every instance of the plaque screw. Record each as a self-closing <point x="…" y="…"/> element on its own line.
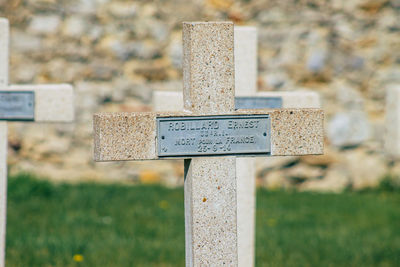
<point x="163" y="137"/>
<point x="265" y="134"/>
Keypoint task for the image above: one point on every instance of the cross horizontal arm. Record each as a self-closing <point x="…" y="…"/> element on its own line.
<point x="295" y="99"/>
<point x="53" y="103"/>
<point x="172" y="100"/>
<point x="133" y="136"/>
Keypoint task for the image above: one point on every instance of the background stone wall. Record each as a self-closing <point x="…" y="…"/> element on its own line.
<point x="116" y="53"/>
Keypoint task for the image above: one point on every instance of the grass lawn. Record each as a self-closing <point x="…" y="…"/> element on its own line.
<point x="116" y="225"/>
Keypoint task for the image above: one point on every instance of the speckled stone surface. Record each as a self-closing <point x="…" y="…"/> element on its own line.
<point x="392" y="121"/>
<point x="132" y="136"/>
<point x="245" y="170"/>
<point x="172" y="101"/>
<point x="297" y="132"/>
<point x="245" y="51"/>
<point x="124" y="136"/>
<point x="293" y="132"/>
<point x="208" y="67"/>
<point x="53" y="102"/>
<point x="210" y="183"/>
<point x="210" y="212"/>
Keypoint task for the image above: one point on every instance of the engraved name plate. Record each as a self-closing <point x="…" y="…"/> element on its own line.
<point x="248" y="102"/>
<point x="213" y="135"/>
<point x="17" y="105"/>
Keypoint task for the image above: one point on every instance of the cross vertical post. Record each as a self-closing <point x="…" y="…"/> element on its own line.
<point x="246" y="84"/>
<point x="210" y="183"/>
<point x="3" y="189"/>
<point x="38" y="103"/>
<point x="245" y="52"/>
<point x="4" y="50"/>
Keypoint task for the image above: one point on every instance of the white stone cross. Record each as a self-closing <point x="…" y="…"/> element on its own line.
<point x="245" y="86"/>
<point x="210" y="126"/>
<point x="51" y="103"/>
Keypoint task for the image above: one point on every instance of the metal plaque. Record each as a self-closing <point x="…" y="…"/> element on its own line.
<point x="213" y="135"/>
<point x="248" y="102"/>
<point x="17" y="105"/>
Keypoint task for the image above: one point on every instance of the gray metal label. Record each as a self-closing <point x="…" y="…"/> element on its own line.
<point x="213" y="135"/>
<point x="248" y="102"/>
<point x="17" y="105"/>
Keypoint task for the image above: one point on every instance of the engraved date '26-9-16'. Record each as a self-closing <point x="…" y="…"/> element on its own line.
<point x="213" y="135"/>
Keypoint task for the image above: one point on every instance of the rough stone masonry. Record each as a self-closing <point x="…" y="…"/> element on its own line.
<point x="116" y="68"/>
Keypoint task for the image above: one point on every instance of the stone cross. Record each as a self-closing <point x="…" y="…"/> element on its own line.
<point x="208" y="134"/>
<point x="246" y="94"/>
<point x="39" y="103"/>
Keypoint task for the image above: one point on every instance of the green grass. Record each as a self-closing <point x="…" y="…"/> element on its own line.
<point x="116" y="225"/>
